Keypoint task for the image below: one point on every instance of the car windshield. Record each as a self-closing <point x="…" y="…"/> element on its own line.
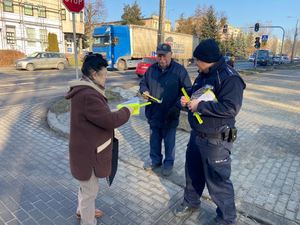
<point x="101" y="40"/>
<point x="149" y="60"/>
<point x="33" y="55"/>
<point x="263" y="54"/>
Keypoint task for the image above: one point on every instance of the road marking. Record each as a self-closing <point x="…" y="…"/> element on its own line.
<point x="272" y="89"/>
<point x="18" y="84"/>
<point x="19" y="92"/>
<point x="274" y="104"/>
<point x="280" y="75"/>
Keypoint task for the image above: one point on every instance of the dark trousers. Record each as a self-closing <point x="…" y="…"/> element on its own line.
<point x="156" y="137"/>
<point x="208" y="162"/>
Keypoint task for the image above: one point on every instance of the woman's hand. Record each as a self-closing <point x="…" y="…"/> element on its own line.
<point x="130" y="109"/>
<point x="192" y="105"/>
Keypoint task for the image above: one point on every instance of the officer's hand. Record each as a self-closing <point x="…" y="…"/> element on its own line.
<point x="144" y="94"/>
<point x="183" y="101"/>
<point x="192" y="105"/>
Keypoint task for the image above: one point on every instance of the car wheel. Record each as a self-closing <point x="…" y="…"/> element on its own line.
<point x="121" y="66"/>
<point x="30" y="67"/>
<point x="61" y="66"/>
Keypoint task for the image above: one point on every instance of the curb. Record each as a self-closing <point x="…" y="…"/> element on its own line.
<point x="55" y="125"/>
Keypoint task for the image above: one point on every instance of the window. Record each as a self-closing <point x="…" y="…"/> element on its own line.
<point x="8" y="6"/>
<point x="63" y="14"/>
<point x="101" y="40"/>
<point x="71" y="17"/>
<point x="81" y="16"/>
<point x="28" y="10"/>
<point x="30" y="37"/>
<point x="10" y="35"/>
<point x="43" y="35"/>
<point x="42" y="11"/>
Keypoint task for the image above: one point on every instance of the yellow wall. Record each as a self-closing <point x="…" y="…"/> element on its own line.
<point x="53" y="12"/>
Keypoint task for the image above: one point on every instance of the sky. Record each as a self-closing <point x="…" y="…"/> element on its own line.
<point x="240" y="13"/>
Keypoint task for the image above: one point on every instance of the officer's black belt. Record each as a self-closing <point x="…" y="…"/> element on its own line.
<point x="223" y="136"/>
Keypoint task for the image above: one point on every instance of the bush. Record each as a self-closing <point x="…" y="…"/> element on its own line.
<point x="52" y="43"/>
<point x="9" y="57"/>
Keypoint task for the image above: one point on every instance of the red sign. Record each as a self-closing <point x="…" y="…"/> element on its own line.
<point x="74" y="6"/>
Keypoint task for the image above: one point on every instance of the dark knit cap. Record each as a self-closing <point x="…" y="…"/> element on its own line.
<point x="207" y="51"/>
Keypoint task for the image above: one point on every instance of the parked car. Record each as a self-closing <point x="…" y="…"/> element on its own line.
<point x="281" y="60"/>
<point x="251" y="58"/>
<point x="144" y="65"/>
<point x="285" y="59"/>
<point x="296" y="59"/>
<point x="277" y="60"/>
<point x="43" y="60"/>
<point x="229" y="60"/>
<point x="264" y="58"/>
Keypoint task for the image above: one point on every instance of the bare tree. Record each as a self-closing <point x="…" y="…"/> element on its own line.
<point x="94" y="12"/>
<point x="185" y="25"/>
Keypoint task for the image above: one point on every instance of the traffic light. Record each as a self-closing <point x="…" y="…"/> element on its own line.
<point x="256" y="27"/>
<point x="225" y="28"/>
<point x="257" y="42"/>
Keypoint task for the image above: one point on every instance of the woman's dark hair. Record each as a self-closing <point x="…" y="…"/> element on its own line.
<point x="93" y="61"/>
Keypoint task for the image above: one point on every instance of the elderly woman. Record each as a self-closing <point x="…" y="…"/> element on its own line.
<point x="91" y="134"/>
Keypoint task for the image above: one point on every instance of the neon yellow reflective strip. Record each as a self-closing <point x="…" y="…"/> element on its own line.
<point x="145" y="104"/>
<point x="197" y="115"/>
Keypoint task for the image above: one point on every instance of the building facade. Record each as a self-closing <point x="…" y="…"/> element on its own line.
<point x="151" y="22"/>
<point x="25" y="25"/>
<point x="231" y="32"/>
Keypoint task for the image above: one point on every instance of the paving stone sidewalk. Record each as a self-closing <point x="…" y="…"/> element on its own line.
<point x="36" y="186"/>
<point x="266" y="156"/>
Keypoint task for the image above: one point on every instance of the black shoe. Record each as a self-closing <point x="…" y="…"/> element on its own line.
<point x="150" y="166"/>
<point x="183" y="210"/>
<point x="167" y="170"/>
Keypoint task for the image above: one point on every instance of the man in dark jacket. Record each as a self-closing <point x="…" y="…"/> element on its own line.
<point x="208" y="152"/>
<point x="163" y="80"/>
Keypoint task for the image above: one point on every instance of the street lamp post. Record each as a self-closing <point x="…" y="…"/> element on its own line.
<point x="294" y="44"/>
<point x="161" y="25"/>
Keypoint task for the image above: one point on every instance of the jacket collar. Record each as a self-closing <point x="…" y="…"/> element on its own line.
<point x="166" y="69"/>
<point x="217" y="66"/>
<point x="89" y="83"/>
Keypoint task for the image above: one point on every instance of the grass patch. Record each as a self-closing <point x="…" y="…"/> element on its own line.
<point x="63" y="105"/>
<point x="60" y="106"/>
<point x="72" y="61"/>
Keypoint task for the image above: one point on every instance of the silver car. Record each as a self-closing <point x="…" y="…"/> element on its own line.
<point x="43" y="60"/>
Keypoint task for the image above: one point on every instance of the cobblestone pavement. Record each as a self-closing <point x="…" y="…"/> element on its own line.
<point x="36" y="186"/>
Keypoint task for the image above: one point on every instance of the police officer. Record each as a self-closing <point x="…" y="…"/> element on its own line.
<point x="163" y="80"/>
<point x="208" y="153"/>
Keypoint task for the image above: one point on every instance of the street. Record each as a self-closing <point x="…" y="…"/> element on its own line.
<point x="23" y="86"/>
<point x="19" y="86"/>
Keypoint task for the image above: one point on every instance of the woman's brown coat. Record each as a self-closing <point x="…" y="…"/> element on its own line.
<point x="91" y="130"/>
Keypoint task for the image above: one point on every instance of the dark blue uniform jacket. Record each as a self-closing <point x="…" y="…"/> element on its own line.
<point x="166" y="85"/>
<point x="228" y="87"/>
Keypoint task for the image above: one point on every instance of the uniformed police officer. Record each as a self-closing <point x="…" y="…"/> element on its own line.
<point x="208" y="153"/>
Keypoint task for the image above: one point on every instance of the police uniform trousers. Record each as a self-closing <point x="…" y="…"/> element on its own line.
<point x="208" y="162"/>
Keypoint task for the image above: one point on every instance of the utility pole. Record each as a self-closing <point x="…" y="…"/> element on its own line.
<point x="294" y="44"/>
<point x="161" y="25"/>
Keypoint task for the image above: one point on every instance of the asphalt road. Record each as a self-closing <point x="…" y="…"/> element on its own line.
<point x="24" y="86"/>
